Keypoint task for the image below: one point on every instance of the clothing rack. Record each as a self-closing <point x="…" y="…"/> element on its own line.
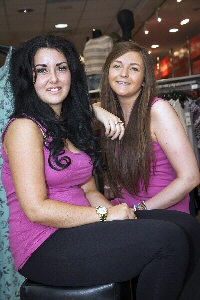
<point x="184" y="83"/>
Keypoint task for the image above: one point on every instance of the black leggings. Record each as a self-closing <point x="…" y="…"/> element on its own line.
<point x="153" y="247"/>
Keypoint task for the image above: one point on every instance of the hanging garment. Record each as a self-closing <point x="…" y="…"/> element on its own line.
<point x="177" y="106"/>
<point x="195" y="108"/>
<point x="10" y="280"/>
<point x="186" y="117"/>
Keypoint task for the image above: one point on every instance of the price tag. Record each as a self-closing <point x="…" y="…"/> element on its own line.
<point x="188" y="119"/>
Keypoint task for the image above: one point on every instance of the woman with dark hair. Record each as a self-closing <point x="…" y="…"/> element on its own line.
<point x="153" y="166"/>
<point x="58" y="234"/>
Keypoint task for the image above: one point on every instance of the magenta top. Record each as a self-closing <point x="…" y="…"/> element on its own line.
<point x="26" y="236"/>
<point x="163" y="175"/>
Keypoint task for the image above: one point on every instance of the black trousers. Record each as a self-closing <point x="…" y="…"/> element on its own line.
<point x="158" y="246"/>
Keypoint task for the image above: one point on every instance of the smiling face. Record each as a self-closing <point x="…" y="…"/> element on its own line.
<point x="52" y="77"/>
<point x="126" y="76"/>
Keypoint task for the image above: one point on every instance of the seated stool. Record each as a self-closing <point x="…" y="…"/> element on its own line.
<point x="114" y="291"/>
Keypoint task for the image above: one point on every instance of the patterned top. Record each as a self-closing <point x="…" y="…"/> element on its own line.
<point x="95" y="53"/>
<point x="26" y="236"/>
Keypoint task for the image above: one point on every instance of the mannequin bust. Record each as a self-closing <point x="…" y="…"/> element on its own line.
<point x="126" y="21"/>
<point x="95" y="52"/>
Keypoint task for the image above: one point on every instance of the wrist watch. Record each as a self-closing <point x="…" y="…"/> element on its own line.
<point x="102" y="211"/>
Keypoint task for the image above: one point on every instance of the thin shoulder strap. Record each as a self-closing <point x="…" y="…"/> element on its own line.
<point x="42" y="128"/>
<point x="155" y="100"/>
<point x="6" y="128"/>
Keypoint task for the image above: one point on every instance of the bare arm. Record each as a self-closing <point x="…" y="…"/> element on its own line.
<point x="118" y="212"/>
<point x="24" y="145"/>
<point x="93" y="195"/>
<point x="168" y="131"/>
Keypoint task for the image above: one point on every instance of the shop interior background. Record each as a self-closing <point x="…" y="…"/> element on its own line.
<point x="20" y="20"/>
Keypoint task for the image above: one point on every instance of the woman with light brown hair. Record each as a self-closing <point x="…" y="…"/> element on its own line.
<point x="153" y="166"/>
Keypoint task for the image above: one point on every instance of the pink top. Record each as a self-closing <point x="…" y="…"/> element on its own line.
<point x="163" y="175"/>
<point x="26" y="236"/>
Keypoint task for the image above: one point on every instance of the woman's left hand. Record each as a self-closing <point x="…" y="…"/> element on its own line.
<point x="114" y="127"/>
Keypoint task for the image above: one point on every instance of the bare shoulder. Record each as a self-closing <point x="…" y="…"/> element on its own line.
<point x="163" y="109"/>
<point x="22" y="125"/>
<point x="21" y="131"/>
<point x="160" y="106"/>
<point x="164" y="119"/>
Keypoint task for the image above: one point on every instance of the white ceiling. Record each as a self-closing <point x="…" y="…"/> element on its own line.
<point x="84" y="15"/>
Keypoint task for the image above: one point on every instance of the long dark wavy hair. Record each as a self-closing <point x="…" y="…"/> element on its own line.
<point x="128" y="162"/>
<point x="77" y="117"/>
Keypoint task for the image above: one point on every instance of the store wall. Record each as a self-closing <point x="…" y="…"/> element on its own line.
<point x="184" y="62"/>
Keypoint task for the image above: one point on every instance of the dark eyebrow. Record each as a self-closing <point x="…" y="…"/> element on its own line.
<point x="44" y="65"/>
<point x="63" y="62"/>
<point x="41" y="65"/>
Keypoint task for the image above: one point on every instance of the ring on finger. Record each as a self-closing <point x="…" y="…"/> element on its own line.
<point x="120" y="123"/>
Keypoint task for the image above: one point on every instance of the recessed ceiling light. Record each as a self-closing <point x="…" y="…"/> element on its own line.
<point x="25" y="10"/>
<point x="154" y="46"/>
<point x="184" y="21"/>
<point x="61" y="25"/>
<point x="173" y="30"/>
<point x="179" y="0"/>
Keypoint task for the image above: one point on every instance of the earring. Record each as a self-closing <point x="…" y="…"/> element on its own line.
<point x="33" y="81"/>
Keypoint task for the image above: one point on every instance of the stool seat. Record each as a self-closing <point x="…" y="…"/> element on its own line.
<point x="114" y="291"/>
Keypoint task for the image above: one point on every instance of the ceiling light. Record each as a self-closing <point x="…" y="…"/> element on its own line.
<point x="157" y="16"/>
<point x="154" y="46"/>
<point x="173" y="30"/>
<point x="61" y="25"/>
<point x="184" y="21"/>
<point x="145" y="28"/>
<point x="179" y="0"/>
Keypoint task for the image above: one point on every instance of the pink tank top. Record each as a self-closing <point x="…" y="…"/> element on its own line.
<point x="26" y="236"/>
<point x="163" y="175"/>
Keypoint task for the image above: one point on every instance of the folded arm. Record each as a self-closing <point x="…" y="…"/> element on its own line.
<point x="113" y="128"/>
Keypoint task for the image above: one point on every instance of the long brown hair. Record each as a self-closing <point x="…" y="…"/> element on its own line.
<point x="128" y="162"/>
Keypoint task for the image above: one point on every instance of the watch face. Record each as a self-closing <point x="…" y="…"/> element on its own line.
<point x="102" y="210"/>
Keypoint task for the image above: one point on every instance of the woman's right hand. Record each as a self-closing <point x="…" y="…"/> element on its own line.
<point x="114" y="127"/>
<point x="120" y="212"/>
